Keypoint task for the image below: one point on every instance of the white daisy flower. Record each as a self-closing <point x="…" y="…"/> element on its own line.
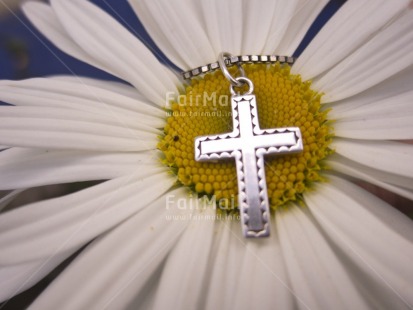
<point x="332" y="245"/>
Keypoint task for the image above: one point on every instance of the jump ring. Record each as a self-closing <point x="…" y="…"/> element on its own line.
<point x="242" y="80"/>
<point x="224" y="69"/>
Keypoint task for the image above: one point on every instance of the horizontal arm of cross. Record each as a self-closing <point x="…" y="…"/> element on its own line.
<point x="215" y="147"/>
<point x="272" y="141"/>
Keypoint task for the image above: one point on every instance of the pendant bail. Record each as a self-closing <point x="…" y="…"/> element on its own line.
<point x="242" y="80"/>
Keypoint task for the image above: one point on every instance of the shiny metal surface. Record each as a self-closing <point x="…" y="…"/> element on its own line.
<point x="242" y="80"/>
<point x="238" y="60"/>
<point x="222" y="65"/>
<point x="248" y="144"/>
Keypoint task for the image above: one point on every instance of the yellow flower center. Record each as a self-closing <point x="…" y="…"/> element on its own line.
<point x="283" y="100"/>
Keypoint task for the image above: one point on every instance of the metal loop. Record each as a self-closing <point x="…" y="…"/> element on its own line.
<point x="242" y="80"/>
<point x="222" y="65"/>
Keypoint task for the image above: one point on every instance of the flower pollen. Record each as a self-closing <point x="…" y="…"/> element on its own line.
<point x="283" y="101"/>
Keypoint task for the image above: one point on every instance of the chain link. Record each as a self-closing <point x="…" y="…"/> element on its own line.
<point x="238" y="60"/>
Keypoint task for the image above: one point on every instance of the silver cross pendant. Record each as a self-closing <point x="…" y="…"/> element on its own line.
<point x="248" y="144"/>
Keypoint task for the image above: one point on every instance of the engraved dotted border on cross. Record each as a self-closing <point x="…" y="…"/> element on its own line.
<point x="261" y="176"/>
<point x="234" y="60"/>
<point x="215" y="155"/>
<point x="244" y="208"/>
<point x="273" y="149"/>
<point x="264" y="204"/>
<point x="259" y="153"/>
<point x="218" y="155"/>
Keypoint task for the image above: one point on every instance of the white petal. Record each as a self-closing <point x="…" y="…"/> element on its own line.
<point x="388" y="156"/>
<point x="256" y="26"/>
<point x="391" y="182"/>
<point x="59" y="128"/>
<point x="156" y="33"/>
<point x="364" y="107"/>
<point x="369" y="118"/>
<point x="48" y="100"/>
<point x="145" y="299"/>
<point x="25" y="168"/>
<point x="224" y="25"/>
<point x="371" y="236"/>
<point x="46" y="21"/>
<point x="62" y="224"/>
<point x="27" y="97"/>
<point x="111" y="272"/>
<point x="319" y="280"/>
<point x="101" y="37"/>
<point x="359" y="199"/>
<point x="111" y="119"/>
<point x="188" y="262"/>
<point x="178" y="30"/>
<point x="246" y="274"/>
<point x="263" y="281"/>
<point x="304" y="15"/>
<point x="248" y="28"/>
<point x="398" y="84"/>
<point x="398" y="180"/>
<point x="76" y="95"/>
<point x="239" y="29"/>
<point x="17" y="278"/>
<point x="225" y="262"/>
<point x="113" y="86"/>
<point x="377" y="127"/>
<point x="6" y="199"/>
<point x="263" y="25"/>
<point x="347" y="30"/>
<point x="386" y="54"/>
